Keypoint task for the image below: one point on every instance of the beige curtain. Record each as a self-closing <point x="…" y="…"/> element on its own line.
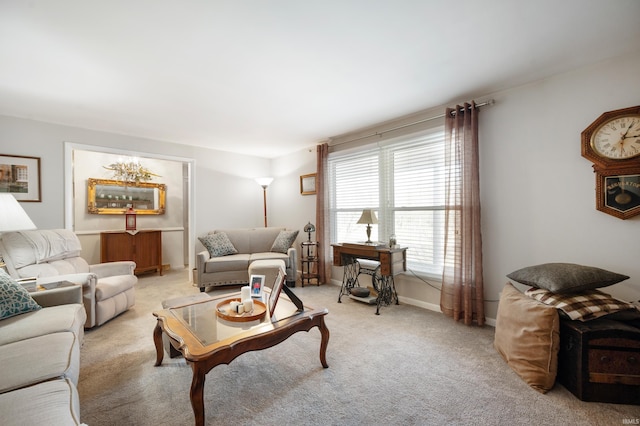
<point x="462" y="294"/>
<point x="322" y="220"/>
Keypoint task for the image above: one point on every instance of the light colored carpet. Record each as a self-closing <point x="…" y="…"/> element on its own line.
<point x="407" y="366"/>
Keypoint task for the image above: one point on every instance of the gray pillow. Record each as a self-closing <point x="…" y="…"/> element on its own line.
<point x="283" y="241"/>
<point x="218" y="244"/>
<point x="565" y="277"/>
<point x="14" y="298"/>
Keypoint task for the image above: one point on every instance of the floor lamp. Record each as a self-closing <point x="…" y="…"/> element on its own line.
<point x="264" y="183"/>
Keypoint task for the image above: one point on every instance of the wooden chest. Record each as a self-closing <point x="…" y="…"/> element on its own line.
<point x="599" y="360"/>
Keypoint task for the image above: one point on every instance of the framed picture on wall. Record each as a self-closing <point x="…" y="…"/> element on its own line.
<point x="308" y="184"/>
<point x="20" y="176"/>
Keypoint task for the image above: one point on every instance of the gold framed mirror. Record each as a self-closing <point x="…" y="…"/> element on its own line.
<point x="114" y="197"/>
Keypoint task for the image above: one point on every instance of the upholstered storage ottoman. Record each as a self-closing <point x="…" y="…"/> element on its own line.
<point x="599" y="360"/>
<point x="174" y="303"/>
<point x="267" y="267"/>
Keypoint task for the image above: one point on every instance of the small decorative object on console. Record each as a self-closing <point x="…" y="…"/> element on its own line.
<point x="130" y="219"/>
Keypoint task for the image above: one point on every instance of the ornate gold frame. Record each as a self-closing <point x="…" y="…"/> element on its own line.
<point x="115" y="196"/>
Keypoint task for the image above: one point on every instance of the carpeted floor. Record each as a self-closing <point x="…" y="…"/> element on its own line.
<point x="407" y="366"/>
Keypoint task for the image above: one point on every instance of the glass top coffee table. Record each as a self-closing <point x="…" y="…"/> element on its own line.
<point x="206" y="340"/>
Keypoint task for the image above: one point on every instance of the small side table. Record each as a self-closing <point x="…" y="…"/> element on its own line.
<point x="309" y="262"/>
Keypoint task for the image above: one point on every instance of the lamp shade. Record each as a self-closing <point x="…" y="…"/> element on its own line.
<point x="264" y="181"/>
<point x="12" y="215"/>
<point x="309" y="227"/>
<point x="368" y="217"/>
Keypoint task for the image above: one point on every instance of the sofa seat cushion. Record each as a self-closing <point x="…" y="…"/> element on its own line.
<point x="55" y="402"/>
<point x="39" y="359"/>
<point x="233" y="262"/>
<point x="270" y="256"/>
<point x="49" y="320"/>
<point x="110" y="286"/>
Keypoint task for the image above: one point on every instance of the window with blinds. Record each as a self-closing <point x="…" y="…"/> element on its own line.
<point x="403" y="181"/>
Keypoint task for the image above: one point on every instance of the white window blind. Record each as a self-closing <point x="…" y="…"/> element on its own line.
<point x="403" y="181"/>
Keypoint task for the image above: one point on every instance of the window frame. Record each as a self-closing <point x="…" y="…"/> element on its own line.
<point x="386" y="209"/>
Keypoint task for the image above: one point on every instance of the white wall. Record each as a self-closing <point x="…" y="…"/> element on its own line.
<point x="538" y="193"/>
<point x="90" y="164"/>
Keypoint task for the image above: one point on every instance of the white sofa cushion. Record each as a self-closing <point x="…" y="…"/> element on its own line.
<point x="44" y="321"/>
<point x="41" y="246"/>
<point x="110" y="286"/>
<point x="55" y="402"/>
<point x="233" y="262"/>
<point x="39" y="359"/>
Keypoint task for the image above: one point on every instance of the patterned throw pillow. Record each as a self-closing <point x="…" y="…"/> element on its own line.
<point x="283" y="241"/>
<point x="14" y="299"/>
<point x="218" y="244"/>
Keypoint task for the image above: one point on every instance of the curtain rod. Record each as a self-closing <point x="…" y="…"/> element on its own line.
<point x="489" y="102"/>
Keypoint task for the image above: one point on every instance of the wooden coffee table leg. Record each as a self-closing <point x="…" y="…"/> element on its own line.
<point x="197" y="394"/>
<point x="324" y="332"/>
<point x="157" y="340"/>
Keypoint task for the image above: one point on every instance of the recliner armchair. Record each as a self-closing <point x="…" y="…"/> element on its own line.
<point x="54" y="255"/>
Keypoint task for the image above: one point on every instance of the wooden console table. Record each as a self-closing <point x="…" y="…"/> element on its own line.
<point x="392" y="262"/>
<point x="143" y="247"/>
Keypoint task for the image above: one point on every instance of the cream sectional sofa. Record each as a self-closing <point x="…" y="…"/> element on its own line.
<point x="54" y="255"/>
<point x="230" y="252"/>
<point x="40" y="358"/>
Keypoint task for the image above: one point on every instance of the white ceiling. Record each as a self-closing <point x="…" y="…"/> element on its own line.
<point x="270" y="77"/>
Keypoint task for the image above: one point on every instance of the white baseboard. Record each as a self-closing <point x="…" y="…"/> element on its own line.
<point x="420" y="304"/>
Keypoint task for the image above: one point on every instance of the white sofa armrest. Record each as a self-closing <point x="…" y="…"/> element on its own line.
<point x="58" y="296"/>
<point x="292" y="273"/>
<point x="201" y="259"/>
<point x="88" y="282"/>
<point x="110" y="269"/>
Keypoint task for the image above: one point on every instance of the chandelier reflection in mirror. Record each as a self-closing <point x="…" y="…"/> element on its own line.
<point x="130" y="171"/>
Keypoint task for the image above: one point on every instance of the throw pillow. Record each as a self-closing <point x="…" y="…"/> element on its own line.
<point x="14" y="299"/>
<point x="283" y="241"/>
<point x="527" y="336"/>
<point x="218" y="244"/>
<point x="584" y="306"/>
<point x="566" y="277"/>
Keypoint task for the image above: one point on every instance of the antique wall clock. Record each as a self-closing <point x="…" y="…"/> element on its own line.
<point x="612" y="144"/>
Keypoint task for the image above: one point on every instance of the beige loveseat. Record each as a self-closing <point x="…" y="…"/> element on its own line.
<point x="40" y="356"/>
<point x="54" y="255"/>
<point x="230" y="252"/>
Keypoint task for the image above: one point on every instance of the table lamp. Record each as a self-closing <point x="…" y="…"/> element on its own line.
<point x="12" y="218"/>
<point x="368" y="217"/>
<point x="309" y="228"/>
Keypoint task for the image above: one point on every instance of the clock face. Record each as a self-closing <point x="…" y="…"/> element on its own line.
<point x="618" y="138"/>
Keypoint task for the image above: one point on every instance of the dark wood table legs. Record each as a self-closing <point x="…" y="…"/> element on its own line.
<point x="200" y="366"/>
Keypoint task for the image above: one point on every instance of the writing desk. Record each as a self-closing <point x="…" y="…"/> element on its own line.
<point x="392" y="261"/>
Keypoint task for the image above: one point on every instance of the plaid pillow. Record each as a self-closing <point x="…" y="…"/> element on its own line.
<point x="583" y="306"/>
